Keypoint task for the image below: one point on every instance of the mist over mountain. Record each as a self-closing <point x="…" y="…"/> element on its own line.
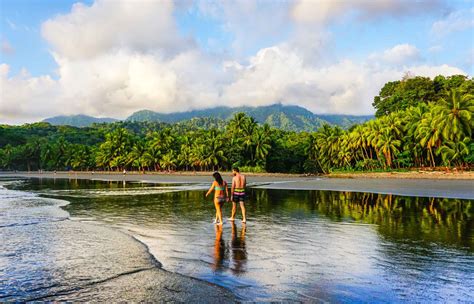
<point x="292" y="118"/>
<point x="77" y="120"/>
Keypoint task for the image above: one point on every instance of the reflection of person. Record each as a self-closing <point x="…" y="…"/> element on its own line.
<point x="239" y="252"/>
<point x="238" y="193"/>
<point x="220" y="195"/>
<point x="219" y="249"/>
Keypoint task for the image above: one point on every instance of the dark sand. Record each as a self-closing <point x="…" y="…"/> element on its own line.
<point x="84" y="262"/>
<point x="435" y="187"/>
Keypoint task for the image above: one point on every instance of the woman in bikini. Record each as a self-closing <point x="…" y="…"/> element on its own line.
<point x="220" y="195"/>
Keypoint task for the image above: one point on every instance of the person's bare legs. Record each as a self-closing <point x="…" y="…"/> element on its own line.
<point x="234" y="209"/>
<point x="215" y="206"/>
<point x="221" y="211"/>
<point x="242" y="207"/>
<point x="218" y="211"/>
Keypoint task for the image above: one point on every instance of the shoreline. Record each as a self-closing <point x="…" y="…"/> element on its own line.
<point x="409" y="185"/>
<point x="415" y="174"/>
<point x="439" y="175"/>
<point x="146" y="279"/>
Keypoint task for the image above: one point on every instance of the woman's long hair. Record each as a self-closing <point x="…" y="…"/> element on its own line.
<point x="218" y="178"/>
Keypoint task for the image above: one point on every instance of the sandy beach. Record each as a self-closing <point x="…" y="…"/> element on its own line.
<point x="432" y="184"/>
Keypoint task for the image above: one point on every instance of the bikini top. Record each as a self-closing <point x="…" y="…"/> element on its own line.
<point x="221" y="188"/>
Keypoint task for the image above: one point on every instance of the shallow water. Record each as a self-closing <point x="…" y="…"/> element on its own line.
<point x="298" y="245"/>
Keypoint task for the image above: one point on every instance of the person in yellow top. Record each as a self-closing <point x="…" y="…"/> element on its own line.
<point x="220" y="195"/>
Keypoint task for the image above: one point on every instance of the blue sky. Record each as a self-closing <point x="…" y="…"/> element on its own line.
<point x="229" y="48"/>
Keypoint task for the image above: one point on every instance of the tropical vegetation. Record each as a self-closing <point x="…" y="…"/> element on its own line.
<point x="420" y="123"/>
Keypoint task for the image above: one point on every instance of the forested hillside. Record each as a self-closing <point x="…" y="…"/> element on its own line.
<point x="434" y="131"/>
<point x="290" y="118"/>
<point x="77" y="120"/>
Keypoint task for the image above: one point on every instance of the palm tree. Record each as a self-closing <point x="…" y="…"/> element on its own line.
<point x="394" y="123"/>
<point x="80" y="157"/>
<point x="413" y="117"/>
<point x="323" y="136"/>
<point x="236" y="124"/>
<point x="455" y="115"/>
<point x="7" y="156"/>
<point x="428" y="133"/>
<point x="152" y="157"/>
<point x="185" y="156"/>
<point x="359" y="141"/>
<point x="136" y="156"/>
<point x="344" y="154"/>
<point x="214" y="155"/>
<point x="168" y="161"/>
<point x="374" y="131"/>
<point x="262" y="145"/>
<point x="388" y="145"/>
<point x="453" y="151"/>
<point x="163" y="140"/>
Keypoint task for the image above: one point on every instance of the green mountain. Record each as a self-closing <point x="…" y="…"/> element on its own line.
<point x="293" y="118"/>
<point x="77" y="120"/>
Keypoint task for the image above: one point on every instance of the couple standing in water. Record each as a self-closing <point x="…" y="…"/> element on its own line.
<point x="221" y="194"/>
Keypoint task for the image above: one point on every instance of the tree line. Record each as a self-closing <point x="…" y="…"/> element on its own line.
<point x="419" y="123"/>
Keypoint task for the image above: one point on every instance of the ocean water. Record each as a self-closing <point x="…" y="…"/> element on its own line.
<point x="297" y="245"/>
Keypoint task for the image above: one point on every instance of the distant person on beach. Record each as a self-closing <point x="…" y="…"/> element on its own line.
<point x="238" y="193"/>
<point x="220" y="195"/>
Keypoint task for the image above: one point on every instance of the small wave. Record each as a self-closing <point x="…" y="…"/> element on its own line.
<point x="87" y="193"/>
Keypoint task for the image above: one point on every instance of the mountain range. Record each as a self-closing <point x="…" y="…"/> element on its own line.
<point x="294" y="118"/>
<point x="77" y="120"/>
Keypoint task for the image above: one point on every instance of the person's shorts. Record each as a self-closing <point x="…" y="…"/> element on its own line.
<point x="221" y="199"/>
<point x="238" y="198"/>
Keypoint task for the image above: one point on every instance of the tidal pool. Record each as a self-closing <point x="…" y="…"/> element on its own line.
<point x="297" y="246"/>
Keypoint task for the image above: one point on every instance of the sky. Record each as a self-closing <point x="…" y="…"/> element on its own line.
<point x="110" y="58"/>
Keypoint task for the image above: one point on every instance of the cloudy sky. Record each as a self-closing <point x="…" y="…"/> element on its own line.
<point x="114" y="57"/>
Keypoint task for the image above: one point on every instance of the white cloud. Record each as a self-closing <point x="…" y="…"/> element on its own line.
<point x="399" y="54"/>
<point x="275" y="74"/>
<point x="24" y="98"/>
<point x="114" y="58"/>
<point x="324" y="11"/>
<point x="122" y="82"/>
<point x="108" y="25"/>
<point x="456" y="21"/>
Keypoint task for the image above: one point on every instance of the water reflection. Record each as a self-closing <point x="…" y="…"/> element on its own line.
<point x="219" y="249"/>
<point x="239" y="252"/>
<point x="232" y="255"/>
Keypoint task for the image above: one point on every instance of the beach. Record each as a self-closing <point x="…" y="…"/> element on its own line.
<point x="46" y="256"/>
<point x="430" y="184"/>
<point x="77" y="239"/>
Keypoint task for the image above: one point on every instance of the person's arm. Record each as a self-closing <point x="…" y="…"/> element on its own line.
<point x="226" y="190"/>
<point x="244" y="182"/>
<point x="233" y="188"/>
<point x="210" y="189"/>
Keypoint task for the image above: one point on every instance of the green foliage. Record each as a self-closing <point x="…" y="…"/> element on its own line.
<point x="411" y="91"/>
<point x="250" y="169"/>
<point x="426" y="126"/>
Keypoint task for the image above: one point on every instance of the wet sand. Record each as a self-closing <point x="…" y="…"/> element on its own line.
<point x="385" y="184"/>
<point x="115" y="267"/>
<point x="45" y="256"/>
